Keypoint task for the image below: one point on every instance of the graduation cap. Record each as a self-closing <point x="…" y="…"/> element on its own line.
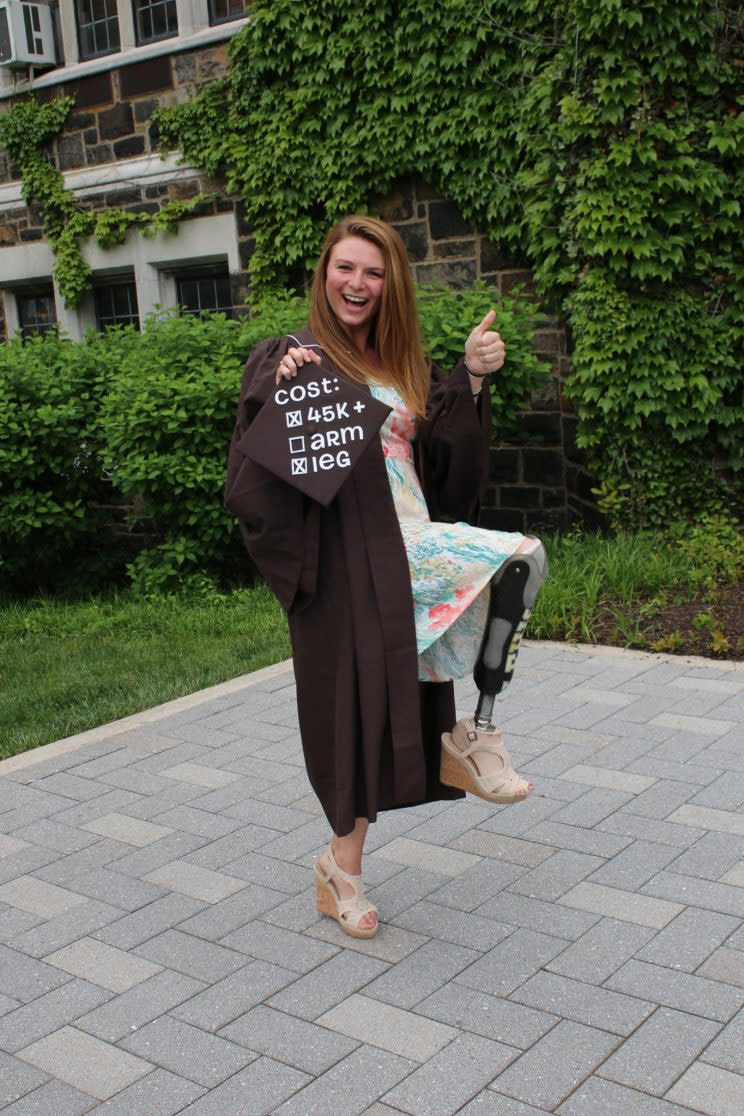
<point x="312" y="430"/>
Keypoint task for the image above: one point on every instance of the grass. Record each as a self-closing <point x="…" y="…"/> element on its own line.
<point x="66" y="667"/>
<point x="69" y="666"/>
<point x="631" y="589"/>
<point x="595" y="580"/>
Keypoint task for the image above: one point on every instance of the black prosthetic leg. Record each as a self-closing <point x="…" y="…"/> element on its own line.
<point x="514" y="589"/>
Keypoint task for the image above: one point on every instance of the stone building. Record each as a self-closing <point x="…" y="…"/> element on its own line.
<point x="120" y="60"/>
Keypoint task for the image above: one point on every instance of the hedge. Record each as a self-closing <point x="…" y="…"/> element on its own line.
<point x="51" y="457"/>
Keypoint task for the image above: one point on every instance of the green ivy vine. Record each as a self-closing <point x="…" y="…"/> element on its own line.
<point x="25" y="131"/>
<point x="601" y="141"/>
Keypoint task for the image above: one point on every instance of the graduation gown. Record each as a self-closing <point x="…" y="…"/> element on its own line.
<point x="371" y="732"/>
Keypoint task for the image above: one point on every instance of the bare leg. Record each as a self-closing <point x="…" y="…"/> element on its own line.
<point x="347" y="852"/>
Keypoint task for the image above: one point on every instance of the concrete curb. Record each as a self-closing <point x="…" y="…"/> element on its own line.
<point x="657" y="656"/>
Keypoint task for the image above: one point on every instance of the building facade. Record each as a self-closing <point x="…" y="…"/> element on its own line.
<point x="122" y="59"/>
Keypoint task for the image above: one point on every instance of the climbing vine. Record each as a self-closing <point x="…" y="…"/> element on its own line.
<point x="25" y="132"/>
<point x="600" y="140"/>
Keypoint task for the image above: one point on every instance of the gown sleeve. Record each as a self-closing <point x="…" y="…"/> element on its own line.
<point x="273" y="515"/>
<point x="453" y="446"/>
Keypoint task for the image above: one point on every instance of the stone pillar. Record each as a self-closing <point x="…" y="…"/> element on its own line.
<point x="9" y="313"/>
<point x="193" y="15"/>
<point x="68" y="320"/>
<point x="68" y="34"/>
<point x="127" y="34"/>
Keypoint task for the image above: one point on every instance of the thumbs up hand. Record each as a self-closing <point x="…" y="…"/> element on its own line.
<point x="484" y="349"/>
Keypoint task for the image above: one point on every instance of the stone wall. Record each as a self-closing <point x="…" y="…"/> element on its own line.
<point x="111" y="117"/>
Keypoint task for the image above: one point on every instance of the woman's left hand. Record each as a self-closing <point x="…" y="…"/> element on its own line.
<point x="484" y="349"/>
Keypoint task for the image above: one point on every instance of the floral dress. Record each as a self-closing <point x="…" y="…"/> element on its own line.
<point x="451" y="564"/>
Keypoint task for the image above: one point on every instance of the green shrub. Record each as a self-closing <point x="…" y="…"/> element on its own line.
<point x="714" y="549"/>
<point x="166" y="425"/>
<point x="661" y="393"/>
<point x="50" y="457"/>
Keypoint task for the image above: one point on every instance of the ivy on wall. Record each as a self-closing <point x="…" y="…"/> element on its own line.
<point x="25" y="131"/>
<point x="600" y="139"/>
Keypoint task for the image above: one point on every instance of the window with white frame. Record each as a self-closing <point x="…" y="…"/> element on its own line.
<point x="222" y="11"/>
<point x="155" y="19"/>
<point x="36" y="311"/>
<point x="98" y="27"/>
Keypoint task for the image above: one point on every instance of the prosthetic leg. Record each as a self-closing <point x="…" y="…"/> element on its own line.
<point x="514" y="589"/>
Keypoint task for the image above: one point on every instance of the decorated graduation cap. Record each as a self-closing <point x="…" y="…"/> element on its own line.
<point x="312" y="430"/>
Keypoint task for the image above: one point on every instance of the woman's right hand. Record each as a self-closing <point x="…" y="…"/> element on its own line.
<point x="293" y="361"/>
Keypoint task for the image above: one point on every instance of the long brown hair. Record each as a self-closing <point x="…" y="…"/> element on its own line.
<point x="395" y="333"/>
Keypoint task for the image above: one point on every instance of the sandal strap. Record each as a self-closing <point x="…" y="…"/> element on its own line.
<point x="478" y="741"/>
<point x="506" y="782"/>
<point x="353" y="881"/>
<point x="356" y="906"/>
<point x="355" y="909"/>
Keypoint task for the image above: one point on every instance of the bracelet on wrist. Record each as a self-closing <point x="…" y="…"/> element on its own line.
<point x="475" y="375"/>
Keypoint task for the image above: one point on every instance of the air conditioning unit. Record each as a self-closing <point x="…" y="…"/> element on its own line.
<point x="26" y="34"/>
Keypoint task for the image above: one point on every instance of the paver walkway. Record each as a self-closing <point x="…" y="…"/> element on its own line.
<point x="580" y="953"/>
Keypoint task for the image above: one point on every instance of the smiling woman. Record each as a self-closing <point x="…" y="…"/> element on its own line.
<point x="391" y="590"/>
<point x="363" y="309"/>
<point x="354" y="283"/>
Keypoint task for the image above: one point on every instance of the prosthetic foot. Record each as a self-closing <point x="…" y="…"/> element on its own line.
<point x="464" y="765"/>
<point x="513" y="592"/>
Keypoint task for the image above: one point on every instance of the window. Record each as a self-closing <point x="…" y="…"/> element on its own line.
<point x="116" y="304"/>
<point x="220" y="11"/>
<point x="204" y="290"/>
<point x="98" y="27"/>
<point x="155" y="19"/>
<point x="36" y="312"/>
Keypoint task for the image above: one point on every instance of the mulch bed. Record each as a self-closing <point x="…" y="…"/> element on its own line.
<point x="674" y="626"/>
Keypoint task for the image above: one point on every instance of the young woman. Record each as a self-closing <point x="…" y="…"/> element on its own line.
<point x="390" y="591"/>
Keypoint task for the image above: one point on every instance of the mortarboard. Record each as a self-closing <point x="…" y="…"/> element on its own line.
<point x="312" y="430"/>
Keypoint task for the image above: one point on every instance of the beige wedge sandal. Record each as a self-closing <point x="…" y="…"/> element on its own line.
<point x="459" y="769"/>
<point x="347" y="912"/>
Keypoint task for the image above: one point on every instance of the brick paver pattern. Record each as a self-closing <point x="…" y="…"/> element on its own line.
<point x="580" y="953"/>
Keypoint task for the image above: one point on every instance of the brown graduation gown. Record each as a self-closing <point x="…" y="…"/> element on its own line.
<point x="370" y="730"/>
